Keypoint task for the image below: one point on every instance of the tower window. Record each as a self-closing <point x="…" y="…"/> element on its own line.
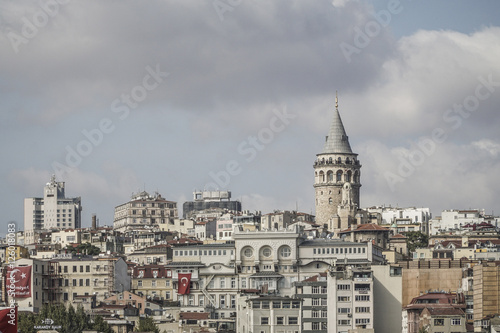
<point x="330" y="201"/>
<point x="329" y="176"/>
<point x="348" y="176"/>
<point x="339" y="176"/>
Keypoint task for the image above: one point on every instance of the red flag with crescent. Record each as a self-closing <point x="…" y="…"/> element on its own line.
<point x="19" y="280"/>
<point x="8" y="320"/>
<point x="184" y="282"/>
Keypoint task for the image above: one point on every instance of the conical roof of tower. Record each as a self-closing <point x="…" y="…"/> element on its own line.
<point x="337" y="140"/>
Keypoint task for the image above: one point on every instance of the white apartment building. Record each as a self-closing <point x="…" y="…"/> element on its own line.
<point x="406" y="219"/>
<point x="454" y="220"/>
<point x="52" y="212"/>
<point x="350" y="300"/>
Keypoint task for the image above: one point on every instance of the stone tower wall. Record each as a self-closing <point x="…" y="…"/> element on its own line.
<point x="327" y="186"/>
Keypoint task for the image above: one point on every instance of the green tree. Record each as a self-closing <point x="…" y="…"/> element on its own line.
<point x="71" y="321"/>
<point x="84" y="248"/>
<point x="100" y="325"/>
<point x="147" y="325"/>
<point x="416" y="239"/>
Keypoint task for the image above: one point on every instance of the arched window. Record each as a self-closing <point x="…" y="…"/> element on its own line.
<point x="322" y="176"/>
<point x="339" y="176"/>
<point x="330" y="160"/>
<point x="330" y="201"/>
<point x="348" y="176"/>
<point x="356" y="176"/>
<point x="266" y="252"/>
<point x="339" y="160"/>
<point x="347" y="161"/>
<point x="247" y="252"/>
<point x="285" y="251"/>
<point x="329" y="176"/>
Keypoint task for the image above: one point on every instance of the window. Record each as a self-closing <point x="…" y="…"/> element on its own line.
<point x="74" y="269"/>
<point x="362" y="309"/>
<point x="153" y="283"/>
<point x="280" y="320"/>
<point x="223" y="282"/>
<point x="315" y="301"/>
<point x="285" y="251"/>
<point x="456" y="321"/>
<point x="343" y="298"/>
<point x="264" y="320"/>
<point x="266" y="252"/>
<point x="344" y="287"/>
<point x="362" y="321"/>
<point x="344" y="322"/>
<point x="362" y="298"/>
<point x="139" y="283"/>
<point x="233" y="282"/>
<point x="315" y="314"/>
<point x="315" y="326"/>
<point x="248" y="252"/>
<point x="344" y="310"/>
<point x="315" y="289"/>
<point x="233" y="301"/>
<point x="439" y="322"/>
<point x="293" y="320"/>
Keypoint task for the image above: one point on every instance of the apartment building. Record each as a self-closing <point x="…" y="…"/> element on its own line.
<point x="52" y="212"/>
<point x="144" y="210"/>
<point x="350" y="299"/>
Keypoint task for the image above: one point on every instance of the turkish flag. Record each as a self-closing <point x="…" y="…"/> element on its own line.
<point x="20" y="279"/>
<point x="184" y="281"/>
<point x="8" y="320"/>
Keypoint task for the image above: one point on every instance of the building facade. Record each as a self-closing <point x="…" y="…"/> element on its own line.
<point x="144" y="210"/>
<point x="52" y="212"/>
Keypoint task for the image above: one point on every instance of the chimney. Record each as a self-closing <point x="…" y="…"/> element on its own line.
<point x="94" y="222"/>
<point x="465" y="241"/>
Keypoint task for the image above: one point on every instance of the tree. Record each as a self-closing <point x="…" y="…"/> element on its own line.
<point x="147" y="325"/>
<point x="416" y="239"/>
<point x="71" y="321"/>
<point x="84" y="248"/>
<point x="101" y="326"/>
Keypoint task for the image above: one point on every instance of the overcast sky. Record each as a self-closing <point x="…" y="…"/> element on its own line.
<point x="174" y="96"/>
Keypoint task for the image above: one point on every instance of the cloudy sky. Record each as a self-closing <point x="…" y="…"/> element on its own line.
<point x="175" y="96"/>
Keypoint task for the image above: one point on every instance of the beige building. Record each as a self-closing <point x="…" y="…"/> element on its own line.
<point x="144" y="210"/>
<point x="486" y="291"/>
<point x="154" y="282"/>
<point x="86" y="275"/>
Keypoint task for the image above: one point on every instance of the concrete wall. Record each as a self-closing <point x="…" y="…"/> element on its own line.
<point x="387" y="296"/>
<point x="417" y="281"/>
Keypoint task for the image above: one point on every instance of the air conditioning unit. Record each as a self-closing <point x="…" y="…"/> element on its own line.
<point x="349" y="315"/>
